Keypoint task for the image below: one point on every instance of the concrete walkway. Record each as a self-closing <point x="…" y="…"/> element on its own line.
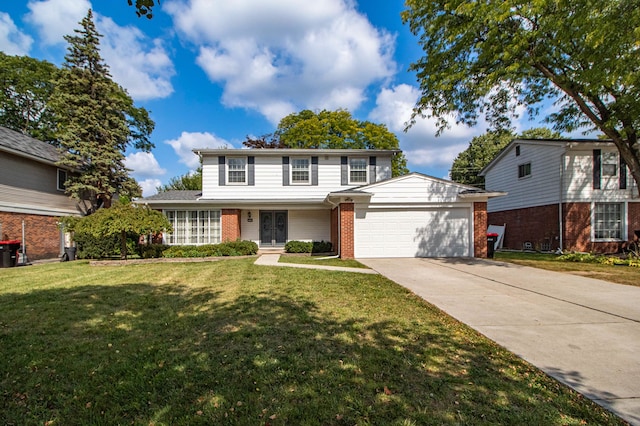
<point x="582" y="331"/>
<point x="273" y="260"/>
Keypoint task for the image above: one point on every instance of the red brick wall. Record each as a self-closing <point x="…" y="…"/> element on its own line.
<point x="480" y="229"/>
<point x="536" y="225"/>
<point x="347" y="218"/>
<point x="230" y="219"/>
<point x="42" y="235"/>
<point x="577" y="227"/>
<point x="634" y="218"/>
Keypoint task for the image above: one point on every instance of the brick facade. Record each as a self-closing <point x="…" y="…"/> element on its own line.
<point x="537" y="225"/>
<point x="42" y="235"/>
<point x="230" y="224"/>
<point x="480" y="229"/>
<point x="347" y="218"/>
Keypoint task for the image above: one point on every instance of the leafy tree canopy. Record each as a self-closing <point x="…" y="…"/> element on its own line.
<point x="96" y="121"/>
<point x="493" y="56"/>
<point x="482" y="149"/>
<point x="331" y="130"/>
<point x="189" y="181"/>
<point x="120" y="219"/>
<point x="26" y="84"/>
<point x="144" y="7"/>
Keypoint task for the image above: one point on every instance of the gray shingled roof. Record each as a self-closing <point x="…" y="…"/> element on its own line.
<point x="175" y="196"/>
<point x="19" y="144"/>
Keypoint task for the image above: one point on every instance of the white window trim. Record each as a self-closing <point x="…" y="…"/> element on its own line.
<point x="623" y="224"/>
<point x="291" y="161"/>
<point x="58" y="186"/>
<point x="212" y="238"/>
<point x="246" y="171"/>
<point x="366" y="170"/>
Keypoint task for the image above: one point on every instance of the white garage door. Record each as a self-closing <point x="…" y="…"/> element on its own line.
<point x="412" y="233"/>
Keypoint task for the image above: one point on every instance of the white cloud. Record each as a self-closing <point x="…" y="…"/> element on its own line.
<point x="56" y="18"/>
<point x="140" y="65"/>
<point x="144" y="164"/>
<point x="149" y="186"/>
<point x="12" y="40"/>
<point x="188" y="141"/>
<point x="281" y="56"/>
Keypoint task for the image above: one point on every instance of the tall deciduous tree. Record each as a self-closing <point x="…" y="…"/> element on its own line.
<point x="26" y="84"/>
<point x="495" y="55"/>
<point x="482" y="149"/>
<point x="189" y="181"/>
<point x="331" y="130"/>
<point x="97" y="120"/>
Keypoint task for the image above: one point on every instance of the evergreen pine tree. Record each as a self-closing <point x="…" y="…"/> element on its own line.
<point x="96" y="122"/>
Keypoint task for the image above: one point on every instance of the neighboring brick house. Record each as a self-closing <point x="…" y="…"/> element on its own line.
<point x="32" y="193"/>
<point x="571" y="194"/>
<point x="347" y="197"/>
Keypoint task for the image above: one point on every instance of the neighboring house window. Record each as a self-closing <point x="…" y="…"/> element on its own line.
<point x="524" y="170"/>
<point x="300" y="171"/>
<point x="609" y="164"/>
<point x="236" y="170"/>
<point x="62" y="180"/>
<point x="517" y="150"/>
<point x="193" y="227"/>
<point x="358" y="170"/>
<point x="607" y="221"/>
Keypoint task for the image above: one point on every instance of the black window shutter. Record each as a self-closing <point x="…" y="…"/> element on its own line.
<point x="221" y="170"/>
<point x="597" y="168"/>
<point x="623" y="174"/>
<point x="372" y="170"/>
<point x="285" y="171"/>
<point x="344" y="171"/>
<point x="251" y="171"/>
<point x="314" y="171"/>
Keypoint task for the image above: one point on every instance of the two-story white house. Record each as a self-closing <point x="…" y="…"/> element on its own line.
<point x="347" y="197"/>
<point x="569" y="194"/>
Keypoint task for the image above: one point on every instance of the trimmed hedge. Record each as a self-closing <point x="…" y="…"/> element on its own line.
<point x="230" y="248"/>
<point x="90" y="247"/>
<point x="308" y="247"/>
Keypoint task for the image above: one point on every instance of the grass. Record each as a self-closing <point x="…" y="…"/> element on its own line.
<point x="321" y="260"/>
<point x="616" y="274"/>
<point x="232" y="343"/>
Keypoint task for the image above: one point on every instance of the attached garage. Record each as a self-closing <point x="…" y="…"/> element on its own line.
<point x="412" y="216"/>
<point x="426" y="232"/>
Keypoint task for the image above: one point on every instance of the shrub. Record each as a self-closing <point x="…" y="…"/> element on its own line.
<point x="150" y="251"/>
<point x="308" y="247"/>
<point x="90" y="247"/>
<point x="230" y="248"/>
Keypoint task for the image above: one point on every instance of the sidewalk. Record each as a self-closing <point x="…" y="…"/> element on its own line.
<point x="273" y="260"/>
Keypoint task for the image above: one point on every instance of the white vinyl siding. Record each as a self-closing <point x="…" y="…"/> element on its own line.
<point x="578" y="178"/>
<point x="193" y="227"/>
<point x="310" y="225"/>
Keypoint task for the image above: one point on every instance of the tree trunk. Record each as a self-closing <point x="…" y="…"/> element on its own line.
<point x="123" y="245"/>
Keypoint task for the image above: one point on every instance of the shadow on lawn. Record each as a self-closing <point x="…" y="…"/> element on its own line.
<point x="147" y="354"/>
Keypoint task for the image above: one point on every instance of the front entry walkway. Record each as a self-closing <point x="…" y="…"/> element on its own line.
<point x="273" y="260"/>
<point x="581" y="331"/>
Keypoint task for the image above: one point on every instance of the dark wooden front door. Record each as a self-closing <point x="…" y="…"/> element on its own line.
<point x="273" y="228"/>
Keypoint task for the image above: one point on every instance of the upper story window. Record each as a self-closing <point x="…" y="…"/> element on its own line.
<point x="524" y="170"/>
<point x="62" y="180"/>
<point x="358" y="168"/>
<point x="300" y="171"/>
<point x="237" y="170"/>
<point x="609" y="164"/>
<point x="517" y="150"/>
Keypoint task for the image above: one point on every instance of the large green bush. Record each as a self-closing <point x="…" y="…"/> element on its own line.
<point x="308" y="247"/>
<point x="91" y="247"/>
<point x="230" y="248"/>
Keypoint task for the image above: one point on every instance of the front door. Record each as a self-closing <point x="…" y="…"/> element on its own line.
<point x="273" y="228"/>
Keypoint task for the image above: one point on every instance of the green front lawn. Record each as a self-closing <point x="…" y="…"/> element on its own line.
<point x="613" y="273"/>
<point x="230" y="342"/>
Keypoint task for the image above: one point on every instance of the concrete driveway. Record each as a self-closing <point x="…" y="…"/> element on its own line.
<point x="583" y="332"/>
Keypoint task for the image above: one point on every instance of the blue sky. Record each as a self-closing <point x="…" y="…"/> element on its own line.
<point x="212" y="72"/>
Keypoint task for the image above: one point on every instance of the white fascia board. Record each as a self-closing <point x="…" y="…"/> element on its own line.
<point x="37" y="210"/>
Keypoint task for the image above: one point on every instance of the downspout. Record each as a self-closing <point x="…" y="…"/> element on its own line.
<point x="560" y="216"/>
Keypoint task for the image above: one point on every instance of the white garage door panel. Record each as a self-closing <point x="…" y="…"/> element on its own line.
<point x="412" y="233"/>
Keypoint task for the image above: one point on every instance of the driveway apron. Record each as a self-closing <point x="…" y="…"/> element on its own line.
<point x="581" y="331"/>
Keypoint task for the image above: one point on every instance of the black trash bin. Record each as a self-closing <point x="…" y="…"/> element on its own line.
<point x="491" y="244"/>
<point x="70" y="253"/>
<point x="8" y="253"/>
